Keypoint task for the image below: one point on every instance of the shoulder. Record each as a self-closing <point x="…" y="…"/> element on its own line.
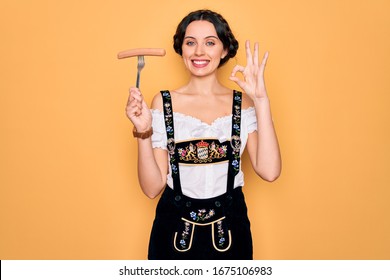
<point x="246" y="101"/>
<point x="157" y="102"/>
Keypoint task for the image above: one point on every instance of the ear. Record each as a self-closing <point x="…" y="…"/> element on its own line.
<point x="224" y="53"/>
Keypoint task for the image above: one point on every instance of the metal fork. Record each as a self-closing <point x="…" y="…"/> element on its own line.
<point x="140" y="66"/>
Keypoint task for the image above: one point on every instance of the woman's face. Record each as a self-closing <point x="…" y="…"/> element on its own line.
<point x="202" y="50"/>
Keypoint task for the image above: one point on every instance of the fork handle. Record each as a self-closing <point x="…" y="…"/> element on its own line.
<point x="138" y="79"/>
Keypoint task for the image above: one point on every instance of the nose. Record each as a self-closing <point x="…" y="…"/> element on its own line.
<point x="199" y="49"/>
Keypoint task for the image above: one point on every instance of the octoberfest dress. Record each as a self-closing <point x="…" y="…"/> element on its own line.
<point x="202" y="212"/>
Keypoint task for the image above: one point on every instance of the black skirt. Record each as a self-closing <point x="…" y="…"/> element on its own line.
<point x="168" y="227"/>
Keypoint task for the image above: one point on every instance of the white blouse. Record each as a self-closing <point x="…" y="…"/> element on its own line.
<point x="203" y="180"/>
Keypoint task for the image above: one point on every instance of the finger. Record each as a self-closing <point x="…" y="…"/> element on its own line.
<point x="238" y="81"/>
<point x="132" y="98"/>
<point x="237" y="68"/>
<point x="132" y="111"/>
<point x="135" y="95"/>
<point x="263" y="63"/>
<point x="132" y="93"/>
<point x="135" y="90"/>
<point x="138" y="97"/>
<point x="249" y="58"/>
<point x="256" y="54"/>
<point x="135" y="112"/>
<point x="265" y="58"/>
<point x="144" y="106"/>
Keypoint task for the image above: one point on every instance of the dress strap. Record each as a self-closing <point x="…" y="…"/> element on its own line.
<point x="171" y="145"/>
<point x="235" y="141"/>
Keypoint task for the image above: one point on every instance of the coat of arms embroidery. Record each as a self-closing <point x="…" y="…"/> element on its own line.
<point x="202" y="152"/>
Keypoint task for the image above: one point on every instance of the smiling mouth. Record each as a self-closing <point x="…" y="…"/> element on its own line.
<point x="200" y="63"/>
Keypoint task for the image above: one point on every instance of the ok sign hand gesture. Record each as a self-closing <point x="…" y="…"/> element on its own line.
<point x="253" y="84"/>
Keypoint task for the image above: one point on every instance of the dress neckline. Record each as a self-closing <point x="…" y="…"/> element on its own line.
<point x="195" y="119"/>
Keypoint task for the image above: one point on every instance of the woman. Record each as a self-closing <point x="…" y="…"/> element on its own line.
<point x="191" y="141"/>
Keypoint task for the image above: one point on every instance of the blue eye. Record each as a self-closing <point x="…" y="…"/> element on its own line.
<point x="190" y="43"/>
<point x="210" y="43"/>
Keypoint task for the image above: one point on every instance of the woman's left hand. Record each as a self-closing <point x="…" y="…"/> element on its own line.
<point x="253" y="84"/>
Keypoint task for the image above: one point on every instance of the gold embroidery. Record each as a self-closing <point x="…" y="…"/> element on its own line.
<point x="202" y="152"/>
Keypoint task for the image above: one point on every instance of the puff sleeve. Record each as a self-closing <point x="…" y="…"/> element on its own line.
<point x="159" y="137"/>
<point x="249" y="116"/>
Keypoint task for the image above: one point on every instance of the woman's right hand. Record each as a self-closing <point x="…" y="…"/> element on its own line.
<point x="138" y="111"/>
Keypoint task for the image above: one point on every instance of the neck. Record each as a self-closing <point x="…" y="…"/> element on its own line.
<point x="204" y="85"/>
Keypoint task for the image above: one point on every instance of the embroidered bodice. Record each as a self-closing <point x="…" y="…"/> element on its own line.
<point x="203" y="179"/>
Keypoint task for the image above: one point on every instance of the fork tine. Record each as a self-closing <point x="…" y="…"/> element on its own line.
<point x="140" y="66"/>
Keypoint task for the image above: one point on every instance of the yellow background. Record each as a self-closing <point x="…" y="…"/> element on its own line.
<point x="68" y="186"/>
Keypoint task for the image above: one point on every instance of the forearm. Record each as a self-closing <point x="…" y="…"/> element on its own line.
<point x="150" y="175"/>
<point x="268" y="159"/>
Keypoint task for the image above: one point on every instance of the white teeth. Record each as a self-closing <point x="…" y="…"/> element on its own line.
<point x="198" y="62"/>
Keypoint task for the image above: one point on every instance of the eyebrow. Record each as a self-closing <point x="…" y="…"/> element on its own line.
<point x="208" y="37"/>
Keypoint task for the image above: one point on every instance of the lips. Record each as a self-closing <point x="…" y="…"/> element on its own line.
<point x="200" y="63"/>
